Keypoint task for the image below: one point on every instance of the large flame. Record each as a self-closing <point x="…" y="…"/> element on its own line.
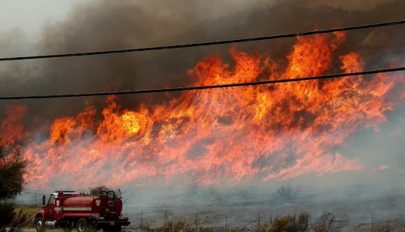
<point x="263" y="132"/>
<point x="11" y="127"/>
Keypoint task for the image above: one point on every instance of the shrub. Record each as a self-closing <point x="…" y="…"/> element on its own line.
<point x="176" y="226"/>
<point x="12" y="170"/>
<point x="290" y="223"/>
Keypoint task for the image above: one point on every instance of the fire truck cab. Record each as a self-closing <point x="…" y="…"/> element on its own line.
<point x="85" y="212"/>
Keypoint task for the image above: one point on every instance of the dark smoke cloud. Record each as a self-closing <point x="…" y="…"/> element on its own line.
<point x="114" y="25"/>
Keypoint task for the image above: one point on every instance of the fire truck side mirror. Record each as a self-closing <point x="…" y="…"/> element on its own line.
<point x="43" y="200"/>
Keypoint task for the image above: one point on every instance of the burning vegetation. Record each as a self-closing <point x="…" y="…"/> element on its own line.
<point x="263" y="132"/>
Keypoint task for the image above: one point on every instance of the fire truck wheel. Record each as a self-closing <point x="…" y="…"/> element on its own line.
<point x="39" y="224"/>
<point x="82" y="225"/>
<point x="112" y="229"/>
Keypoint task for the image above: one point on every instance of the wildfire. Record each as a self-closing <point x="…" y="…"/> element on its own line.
<point x="264" y="132"/>
<point x="11" y="127"/>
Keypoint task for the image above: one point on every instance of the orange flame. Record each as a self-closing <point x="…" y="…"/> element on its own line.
<point x="266" y="132"/>
<point x="11" y="127"/>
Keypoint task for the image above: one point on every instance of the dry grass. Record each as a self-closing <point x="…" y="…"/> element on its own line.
<point x="383" y="227"/>
<point x="169" y="226"/>
<point x="326" y="223"/>
<point x="12" y="219"/>
<point x="29" y="211"/>
<point x="288" y="223"/>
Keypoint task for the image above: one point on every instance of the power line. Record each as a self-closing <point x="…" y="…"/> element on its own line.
<point x="194" y="88"/>
<point x="201" y="44"/>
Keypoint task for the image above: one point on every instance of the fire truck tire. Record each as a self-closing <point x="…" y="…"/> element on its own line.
<point x="82" y="225"/>
<point x="39" y="224"/>
<point x="112" y="229"/>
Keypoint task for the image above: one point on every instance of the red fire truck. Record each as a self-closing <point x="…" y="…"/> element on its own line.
<point x="85" y="212"/>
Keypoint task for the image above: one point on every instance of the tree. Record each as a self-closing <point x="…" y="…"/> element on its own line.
<point x="288" y="193"/>
<point x="12" y="170"/>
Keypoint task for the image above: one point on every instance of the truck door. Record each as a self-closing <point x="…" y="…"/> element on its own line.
<point x="51" y="207"/>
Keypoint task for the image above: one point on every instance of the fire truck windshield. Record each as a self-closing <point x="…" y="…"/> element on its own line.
<point x="118" y="193"/>
<point x="51" y="199"/>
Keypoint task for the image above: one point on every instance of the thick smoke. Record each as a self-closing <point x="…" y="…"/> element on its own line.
<point x="115" y="25"/>
<point x="102" y="25"/>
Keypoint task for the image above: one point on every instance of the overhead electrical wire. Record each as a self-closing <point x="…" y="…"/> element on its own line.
<point x="192" y="88"/>
<point x="205" y="87"/>
<point x="201" y="44"/>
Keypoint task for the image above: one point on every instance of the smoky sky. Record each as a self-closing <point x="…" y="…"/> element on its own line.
<point x="104" y="25"/>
